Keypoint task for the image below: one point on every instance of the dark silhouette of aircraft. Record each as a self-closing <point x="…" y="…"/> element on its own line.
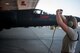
<point x="27" y="18"/>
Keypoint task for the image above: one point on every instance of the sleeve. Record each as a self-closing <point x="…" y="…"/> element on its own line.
<point x="72" y="34"/>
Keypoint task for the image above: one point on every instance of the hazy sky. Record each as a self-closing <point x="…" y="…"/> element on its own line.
<point x="70" y="7"/>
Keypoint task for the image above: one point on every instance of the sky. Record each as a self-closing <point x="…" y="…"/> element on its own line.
<point x="70" y="7"/>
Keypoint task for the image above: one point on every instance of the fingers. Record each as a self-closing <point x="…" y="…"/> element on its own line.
<point x="59" y="11"/>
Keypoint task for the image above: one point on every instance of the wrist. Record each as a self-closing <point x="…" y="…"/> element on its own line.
<point x="58" y="13"/>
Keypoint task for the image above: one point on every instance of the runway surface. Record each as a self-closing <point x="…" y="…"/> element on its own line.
<point x="32" y="40"/>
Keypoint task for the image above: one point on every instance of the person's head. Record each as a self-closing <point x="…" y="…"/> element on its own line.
<point x="72" y="22"/>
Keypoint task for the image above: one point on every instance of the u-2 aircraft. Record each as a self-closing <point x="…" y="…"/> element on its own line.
<point x="27" y="18"/>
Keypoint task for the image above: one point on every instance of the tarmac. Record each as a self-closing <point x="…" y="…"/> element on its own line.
<point x="32" y="40"/>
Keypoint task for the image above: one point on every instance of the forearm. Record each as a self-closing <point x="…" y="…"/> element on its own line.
<point x="59" y="19"/>
<point x="64" y="19"/>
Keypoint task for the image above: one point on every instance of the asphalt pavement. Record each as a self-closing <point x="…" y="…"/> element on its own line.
<point x="32" y="40"/>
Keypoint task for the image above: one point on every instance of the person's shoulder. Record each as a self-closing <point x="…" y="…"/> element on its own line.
<point x="71" y="30"/>
<point x="72" y="33"/>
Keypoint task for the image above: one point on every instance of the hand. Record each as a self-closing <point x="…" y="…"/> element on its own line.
<point x="59" y="11"/>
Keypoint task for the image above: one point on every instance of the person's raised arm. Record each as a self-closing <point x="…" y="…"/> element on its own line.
<point x="60" y="21"/>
